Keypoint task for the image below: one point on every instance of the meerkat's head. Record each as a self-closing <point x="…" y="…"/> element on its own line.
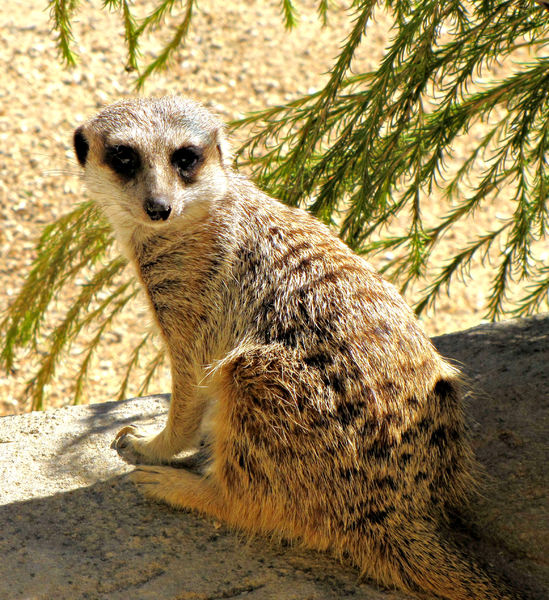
<point x="151" y="162"/>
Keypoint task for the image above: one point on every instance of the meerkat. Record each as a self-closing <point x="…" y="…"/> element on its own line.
<point x="329" y="416"/>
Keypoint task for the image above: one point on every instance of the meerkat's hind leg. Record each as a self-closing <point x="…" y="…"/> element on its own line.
<point x="182" y="489"/>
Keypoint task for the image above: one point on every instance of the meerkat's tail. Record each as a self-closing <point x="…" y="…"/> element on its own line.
<point x="423" y="562"/>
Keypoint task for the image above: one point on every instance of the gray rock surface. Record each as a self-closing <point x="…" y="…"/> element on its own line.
<point x="72" y="526"/>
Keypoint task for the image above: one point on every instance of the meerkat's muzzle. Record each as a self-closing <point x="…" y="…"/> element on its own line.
<point x="157" y="209"/>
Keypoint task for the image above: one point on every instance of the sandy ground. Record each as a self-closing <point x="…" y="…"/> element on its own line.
<point x="238" y="59"/>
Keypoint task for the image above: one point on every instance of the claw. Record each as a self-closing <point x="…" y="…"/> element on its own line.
<point x="125" y="430"/>
<point x="124" y="444"/>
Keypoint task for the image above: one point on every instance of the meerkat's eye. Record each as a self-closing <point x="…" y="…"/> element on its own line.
<point x="123" y="160"/>
<point x="186" y="160"/>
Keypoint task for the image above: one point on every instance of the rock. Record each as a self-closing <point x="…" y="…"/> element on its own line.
<point x="72" y="526"/>
<point x="508" y="369"/>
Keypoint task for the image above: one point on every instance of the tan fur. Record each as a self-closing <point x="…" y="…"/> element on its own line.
<point x="332" y="418"/>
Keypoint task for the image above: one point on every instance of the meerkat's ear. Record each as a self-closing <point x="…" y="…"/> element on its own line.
<point x="223" y="147"/>
<point x="81" y="146"/>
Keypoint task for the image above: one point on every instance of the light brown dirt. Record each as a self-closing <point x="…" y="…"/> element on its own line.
<point x="238" y="59"/>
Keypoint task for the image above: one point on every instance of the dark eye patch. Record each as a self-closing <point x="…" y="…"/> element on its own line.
<point x="186" y="161"/>
<point x="123" y="160"/>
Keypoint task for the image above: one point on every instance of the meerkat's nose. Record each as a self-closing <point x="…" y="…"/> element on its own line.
<point x="157" y="209"/>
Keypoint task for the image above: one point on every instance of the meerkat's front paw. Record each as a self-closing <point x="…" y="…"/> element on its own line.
<point x="132" y="446"/>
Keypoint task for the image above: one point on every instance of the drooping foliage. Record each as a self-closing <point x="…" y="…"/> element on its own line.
<point x="367" y="148"/>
